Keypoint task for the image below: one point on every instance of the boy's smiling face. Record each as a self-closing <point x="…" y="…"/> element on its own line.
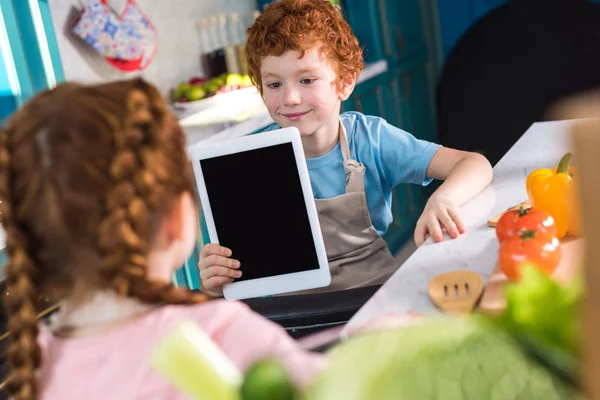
<point x="303" y="92"/>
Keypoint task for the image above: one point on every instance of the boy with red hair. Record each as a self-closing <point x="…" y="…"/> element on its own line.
<point x="305" y="59"/>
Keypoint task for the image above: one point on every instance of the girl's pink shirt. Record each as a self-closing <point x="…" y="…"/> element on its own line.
<point x="115" y="364"/>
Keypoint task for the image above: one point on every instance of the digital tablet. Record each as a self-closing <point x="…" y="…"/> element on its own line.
<point x="257" y="201"/>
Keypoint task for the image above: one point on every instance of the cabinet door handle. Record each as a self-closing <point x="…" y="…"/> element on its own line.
<point x="406" y="84"/>
<point x="400" y="42"/>
<point x="387" y="39"/>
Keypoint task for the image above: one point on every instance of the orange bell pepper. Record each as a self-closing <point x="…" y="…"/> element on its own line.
<point x="555" y="192"/>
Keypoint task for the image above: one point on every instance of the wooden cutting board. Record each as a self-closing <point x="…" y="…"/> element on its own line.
<point x="493" y="301"/>
<point x="493" y="221"/>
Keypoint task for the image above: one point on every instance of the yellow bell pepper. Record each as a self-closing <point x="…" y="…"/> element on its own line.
<point x="555" y="192"/>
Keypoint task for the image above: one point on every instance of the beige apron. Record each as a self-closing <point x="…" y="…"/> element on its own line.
<point x="358" y="256"/>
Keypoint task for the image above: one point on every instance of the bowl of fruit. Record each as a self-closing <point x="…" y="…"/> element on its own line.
<point x="200" y="93"/>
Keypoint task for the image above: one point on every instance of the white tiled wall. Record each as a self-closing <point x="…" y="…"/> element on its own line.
<point x="178" y="54"/>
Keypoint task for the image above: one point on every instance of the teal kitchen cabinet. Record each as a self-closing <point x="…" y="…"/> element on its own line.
<point x="402" y="27"/>
<point x="3" y="258"/>
<point x="402" y="226"/>
<point x="416" y="80"/>
<point x="368" y="98"/>
<point x="395" y="109"/>
<point x="365" y="19"/>
<point x="381" y="96"/>
<point x="189" y="275"/>
<point x="405" y="94"/>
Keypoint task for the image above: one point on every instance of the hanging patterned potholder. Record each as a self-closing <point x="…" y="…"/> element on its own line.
<point x="137" y="25"/>
<point x="99" y="27"/>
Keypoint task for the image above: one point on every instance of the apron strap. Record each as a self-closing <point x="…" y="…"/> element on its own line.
<point x="344" y="142"/>
<point x="355" y="171"/>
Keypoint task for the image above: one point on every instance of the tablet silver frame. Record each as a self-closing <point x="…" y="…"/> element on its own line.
<point x="276" y="284"/>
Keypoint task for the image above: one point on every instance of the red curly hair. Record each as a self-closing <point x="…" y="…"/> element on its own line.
<point x="300" y="25"/>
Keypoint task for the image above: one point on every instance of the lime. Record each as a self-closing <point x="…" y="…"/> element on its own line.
<point x="195" y="93"/>
<point x="267" y="380"/>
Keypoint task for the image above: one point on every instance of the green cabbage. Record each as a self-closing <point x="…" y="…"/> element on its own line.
<point x="465" y="358"/>
<point x="529" y="352"/>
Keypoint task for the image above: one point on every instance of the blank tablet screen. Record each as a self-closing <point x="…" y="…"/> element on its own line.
<point x="259" y="211"/>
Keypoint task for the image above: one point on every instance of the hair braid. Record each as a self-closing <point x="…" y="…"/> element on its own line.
<point x="23" y="352"/>
<point x="87" y="175"/>
<point x="141" y="184"/>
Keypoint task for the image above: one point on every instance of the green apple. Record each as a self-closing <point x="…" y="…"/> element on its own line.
<point x="212" y="86"/>
<point x="195" y="93"/>
<point x="220" y="81"/>
<point x="180" y="90"/>
<point x="234" y="80"/>
<point x="246" y="80"/>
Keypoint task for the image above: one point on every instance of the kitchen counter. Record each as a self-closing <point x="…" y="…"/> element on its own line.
<point x="541" y="146"/>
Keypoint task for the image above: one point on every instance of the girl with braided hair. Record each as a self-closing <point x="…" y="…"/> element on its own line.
<point x="97" y="203"/>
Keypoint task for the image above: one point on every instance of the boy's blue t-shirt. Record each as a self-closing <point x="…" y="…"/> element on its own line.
<point x="390" y="155"/>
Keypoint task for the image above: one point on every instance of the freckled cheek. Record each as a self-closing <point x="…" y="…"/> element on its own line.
<point x="317" y="100"/>
<point x="271" y="101"/>
<point x="309" y="97"/>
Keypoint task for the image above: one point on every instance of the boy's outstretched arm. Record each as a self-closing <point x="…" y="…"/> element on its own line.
<point x="464" y="174"/>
